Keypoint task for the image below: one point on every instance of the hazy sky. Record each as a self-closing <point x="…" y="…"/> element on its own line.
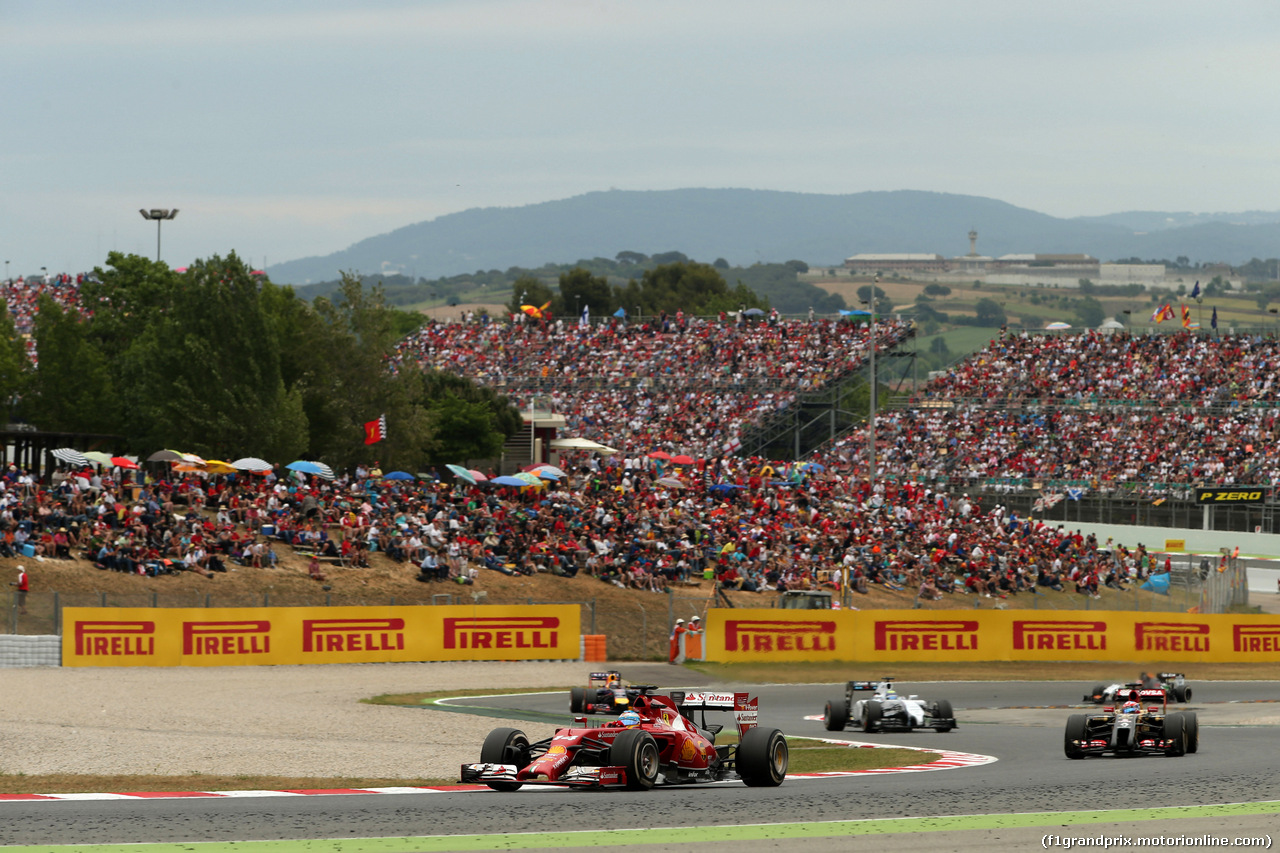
<point x="289" y="129"/>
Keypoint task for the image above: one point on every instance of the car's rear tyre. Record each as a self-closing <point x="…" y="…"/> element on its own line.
<point x="835" y="715"/>
<point x="1077" y="729"/>
<point x="636" y="751"/>
<point x="763" y="757"/>
<point x="505" y="746"/>
<point x="872" y="713"/>
<point x="1182" y="694"/>
<point x="1175" y="730"/>
<point x="577" y="698"/>
<point x="944" y="711"/>
<point x="1191" y="726"/>
<point x="1096" y="693"/>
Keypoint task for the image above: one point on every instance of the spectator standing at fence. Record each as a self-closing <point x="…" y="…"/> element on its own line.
<point x="23" y="586"/>
<point x="675" y="641"/>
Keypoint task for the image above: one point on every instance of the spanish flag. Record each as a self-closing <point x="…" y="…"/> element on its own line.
<point x="1186" y="317"/>
<point x="1164" y="312"/>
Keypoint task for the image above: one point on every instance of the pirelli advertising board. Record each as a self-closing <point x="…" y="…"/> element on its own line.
<point x="109" y="636"/>
<point x="1217" y="495"/>
<point x="910" y="635"/>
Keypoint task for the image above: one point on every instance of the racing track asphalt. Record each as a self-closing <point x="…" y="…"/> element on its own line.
<point x="1235" y="764"/>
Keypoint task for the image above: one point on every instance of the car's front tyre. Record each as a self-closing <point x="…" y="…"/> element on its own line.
<point x="636" y="751"/>
<point x="943" y="711"/>
<point x="505" y="746"/>
<point x="1077" y="730"/>
<point x="872" y="714"/>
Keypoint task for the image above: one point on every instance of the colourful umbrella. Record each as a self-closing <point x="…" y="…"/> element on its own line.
<point x="660" y="454"/>
<point x="683" y="460"/>
<point x="318" y="468"/>
<point x="479" y="475"/>
<point x="508" y="481"/>
<point x="124" y="462"/>
<point x="529" y="479"/>
<point x="462" y="474"/>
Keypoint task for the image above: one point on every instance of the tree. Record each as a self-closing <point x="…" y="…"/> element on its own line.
<point x="798" y="266"/>
<point x="1090" y="312"/>
<point x="989" y="313"/>
<point x="631" y="258"/>
<point x="73" y="385"/>
<point x="580" y="289"/>
<point x="884" y="305"/>
<point x="685" y="285"/>
<point x="720" y="264"/>
<point x="14" y="366"/>
<point x="527" y="290"/>
<point x="935" y="289"/>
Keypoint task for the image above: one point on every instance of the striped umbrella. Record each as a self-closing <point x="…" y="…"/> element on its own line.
<point x="318" y="468"/>
<point x="252" y="464"/>
<point x="71" y="457"/>
<point x="462" y="473"/>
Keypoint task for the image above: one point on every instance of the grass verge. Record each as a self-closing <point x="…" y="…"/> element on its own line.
<point x="423" y="698"/>
<point x="807" y="756"/>
<point x="72" y="783"/>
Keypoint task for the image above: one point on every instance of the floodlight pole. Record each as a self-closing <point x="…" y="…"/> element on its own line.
<point x="871" y="420"/>
<point x="159" y="215"/>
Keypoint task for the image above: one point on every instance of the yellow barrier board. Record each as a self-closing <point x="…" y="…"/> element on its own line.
<point x="108" y="636"/>
<point x="989" y="635"/>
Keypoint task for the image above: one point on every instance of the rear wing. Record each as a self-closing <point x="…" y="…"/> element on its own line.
<point x="603" y="677"/>
<point x="1146" y="696"/>
<point x="1169" y="676"/>
<point x="744" y="706"/>
<point x="871" y="685"/>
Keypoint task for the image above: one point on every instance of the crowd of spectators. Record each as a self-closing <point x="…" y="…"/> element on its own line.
<point x="688" y="385"/>
<point x="22" y="294"/>
<point x="1038" y="410"/>
<point x="753" y="527"/>
<point x="1099" y="410"/>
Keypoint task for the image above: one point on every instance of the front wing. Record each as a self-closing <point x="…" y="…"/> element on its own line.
<point x="573" y="777"/>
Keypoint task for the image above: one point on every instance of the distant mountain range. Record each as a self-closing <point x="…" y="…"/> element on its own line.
<point x="745" y="226"/>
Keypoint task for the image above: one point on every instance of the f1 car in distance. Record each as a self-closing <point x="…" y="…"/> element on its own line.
<point x="1173" y="682"/>
<point x="653" y="743"/>
<point x="885" y="709"/>
<point x="1134" y="728"/>
<point x="605" y="693"/>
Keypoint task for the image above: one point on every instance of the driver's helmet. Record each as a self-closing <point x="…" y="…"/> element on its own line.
<point x="891" y="694"/>
<point x="1131" y="707"/>
<point x="629" y="719"/>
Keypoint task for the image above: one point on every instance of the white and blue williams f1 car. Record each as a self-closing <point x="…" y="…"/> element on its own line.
<point x="886" y="710"/>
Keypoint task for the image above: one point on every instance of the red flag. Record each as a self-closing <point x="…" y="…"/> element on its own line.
<point x="375" y="430"/>
<point x="1186" y="317"/>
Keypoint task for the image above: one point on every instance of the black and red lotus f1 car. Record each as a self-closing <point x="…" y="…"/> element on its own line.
<point x="666" y="747"/>
<point x="1142" y="725"/>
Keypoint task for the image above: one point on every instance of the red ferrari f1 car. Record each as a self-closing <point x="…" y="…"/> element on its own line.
<point x="663" y="747"/>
